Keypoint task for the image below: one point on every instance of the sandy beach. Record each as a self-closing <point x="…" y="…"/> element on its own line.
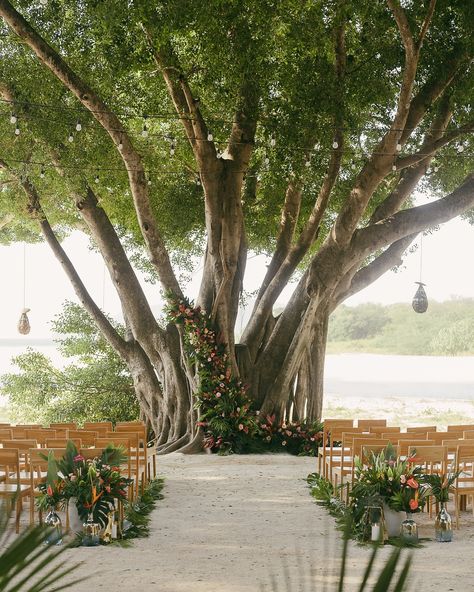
<point x="234" y="524"/>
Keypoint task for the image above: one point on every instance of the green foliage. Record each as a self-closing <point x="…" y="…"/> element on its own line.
<point x="227" y="416"/>
<point x="447" y="328"/>
<point x="95" y="387"/>
<point x="439" y="485"/>
<point x="27" y="564"/>
<point x="138" y="513"/>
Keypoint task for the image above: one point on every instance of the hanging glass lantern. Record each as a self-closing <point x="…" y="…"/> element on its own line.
<point x="420" y="299"/>
<point x="24" y="323"/>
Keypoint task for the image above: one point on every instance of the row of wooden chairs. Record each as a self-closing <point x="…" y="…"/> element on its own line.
<point x="22" y="466"/>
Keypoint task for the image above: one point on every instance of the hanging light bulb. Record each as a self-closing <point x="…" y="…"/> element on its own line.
<point x="399" y="147"/>
<point x="420" y="299"/>
<point x="13" y="118"/>
<point x="96" y="179"/>
<point x="198" y="180"/>
<point x="316" y="146"/>
<point x="120" y="145"/>
<point x="266" y="161"/>
<point x="436" y="169"/>
<point x="210" y="137"/>
<point x="219" y="154"/>
<point x="149" y="181"/>
<point x="273" y="142"/>
<point x="144" y="131"/>
<point x="17" y="130"/>
<point x="307" y="162"/>
<point x="42" y="173"/>
<point x="335" y="145"/>
<point x="460" y="148"/>
<point x="394" y="167"/>
<point x="172" y="147"/>
<point x="70" y="138"/>
<point x="78" y="126"/>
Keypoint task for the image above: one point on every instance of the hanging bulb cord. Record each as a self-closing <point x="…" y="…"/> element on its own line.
<point x="421" y="260"/>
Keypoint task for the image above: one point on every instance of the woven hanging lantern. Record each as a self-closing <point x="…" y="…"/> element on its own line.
<point x="420" y="299"/>
<point x="24" y="323"/>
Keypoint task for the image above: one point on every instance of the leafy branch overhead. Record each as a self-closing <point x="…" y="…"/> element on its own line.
<point x="298" y="131"/>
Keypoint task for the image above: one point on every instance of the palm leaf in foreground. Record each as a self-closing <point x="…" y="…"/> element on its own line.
<point x="27" y="564"/>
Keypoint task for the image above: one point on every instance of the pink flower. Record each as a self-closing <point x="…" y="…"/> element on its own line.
<point x="412" y="483"/>
<point x="218" y="395"/>
<point x="49" y="490"/>
<point x="413" y="504"/>
<point x="241" y="427"/>
<point x="403" y="479"/>
<point x="283" y="443"/>
<point x="78" y="458"/>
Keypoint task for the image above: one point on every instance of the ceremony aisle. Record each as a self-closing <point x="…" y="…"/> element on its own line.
<point x="234" y="523"/>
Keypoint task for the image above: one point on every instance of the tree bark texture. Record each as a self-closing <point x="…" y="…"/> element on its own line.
<point x="280" y="359"/>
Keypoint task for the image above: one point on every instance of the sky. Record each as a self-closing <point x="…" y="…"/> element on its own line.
<point x="447" y="272"/>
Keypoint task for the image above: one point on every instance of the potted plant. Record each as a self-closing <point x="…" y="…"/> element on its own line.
<point x="382" y="481"/>
<point x="438" y="486"/>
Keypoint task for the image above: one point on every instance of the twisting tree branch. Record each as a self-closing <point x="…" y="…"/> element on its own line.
<point x="113" y="126"/>
<point x="35" y="209"/>
<point x="426" y="23"/>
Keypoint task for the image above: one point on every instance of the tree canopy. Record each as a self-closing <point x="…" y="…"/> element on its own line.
<point x="297" y="129"/>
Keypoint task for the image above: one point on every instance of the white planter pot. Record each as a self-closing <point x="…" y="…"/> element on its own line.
<point x="75" y="523"/>
<point x="393" y="520"/>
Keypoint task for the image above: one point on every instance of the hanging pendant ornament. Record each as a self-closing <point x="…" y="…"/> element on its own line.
<point x="24" y="323"/>
<point x="420" y="299"/>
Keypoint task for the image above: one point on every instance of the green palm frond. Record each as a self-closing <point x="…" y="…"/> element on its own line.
<point x="27" y="564"/>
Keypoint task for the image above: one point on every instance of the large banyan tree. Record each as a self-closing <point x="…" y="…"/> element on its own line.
<point x="176" y="128"/>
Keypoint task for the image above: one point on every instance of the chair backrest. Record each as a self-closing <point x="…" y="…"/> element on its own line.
<point x="6" y="433"/>
<point x="334" y="424"/>
<point x="90" y="453"/>
<point x="460" y="427"/>
<point x="406" y="445"/>
<point x="468" y="434"/>
<point x="87" y="436"/>
<point x="134" y="428"/>
<point x="10" y="465"/>
<point x="365" y="424"/>
<point x="422" y="429"/>
<point x="377" y="443"/>
<point x="385" y="429"/>
<point x="63" y="425"/>
<point x="438" y="437"/>
<point x="132" y="437"/>
<point x="349" y="436"/>
<point x="452" y="445"/>
<point x="135" y="422"/>
<point x="62" y="442"/>
<point x="20" y="444"/>
<point x="99" y="426"/>
<point x="407" y="436"/>
<point x="40" y="435"/>
<point x="434" y="459"/>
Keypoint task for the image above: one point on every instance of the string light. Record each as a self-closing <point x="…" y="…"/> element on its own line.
<point x="394" y="167"/>
<point x="78" y="126"/>
<point x="120" y="145"/>
<point x="13" y="118"/>
<point x="17" y="130"/>
<point x="460" y="148"/>
<point x="42" y="173"/>
<point x="96" y="180"/>
<point x="70" y="138"/>
<point x="335" y="145"/>
<point x="399" y="147"/>
<point x="210" y="137"/>
<point x="273" y="142"/>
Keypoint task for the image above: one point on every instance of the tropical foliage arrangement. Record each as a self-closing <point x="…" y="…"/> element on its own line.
<point x="382" y="481"/>
<point x="226" y="414"/>
<point x="95" y="483"/>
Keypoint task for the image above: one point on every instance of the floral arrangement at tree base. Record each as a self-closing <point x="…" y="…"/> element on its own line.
<point x="227" y="417"/>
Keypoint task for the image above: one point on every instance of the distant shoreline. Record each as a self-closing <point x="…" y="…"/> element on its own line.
<point x="25" y="342"/>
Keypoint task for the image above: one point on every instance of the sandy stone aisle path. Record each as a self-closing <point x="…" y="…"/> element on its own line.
<point x="230" y="524"/>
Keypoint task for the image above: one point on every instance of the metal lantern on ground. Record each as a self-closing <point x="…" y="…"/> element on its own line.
<point x="420" y="299"/>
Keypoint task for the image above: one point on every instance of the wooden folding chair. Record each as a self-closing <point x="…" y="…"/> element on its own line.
<point x="407" y="436"/>
<point x="432" y="459"/>
<point x="422" y="429"/>
<point x="405" y="445"/>
<point x="438" y="437"/>
<point x="6" y="433"/>
<point x="143" y="451"/>
<point x="327" y="444"/>
<point x="464" y="485"/>
<point x="11" y="489"/>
